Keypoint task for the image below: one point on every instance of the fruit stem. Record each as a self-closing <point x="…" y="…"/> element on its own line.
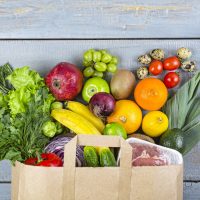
<point x="160" y="120"/>
<point x="123" y="119"/>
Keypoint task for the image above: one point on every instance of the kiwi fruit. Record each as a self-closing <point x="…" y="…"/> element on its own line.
<point x="122" y="84"/>
<point x="142" y="137"/>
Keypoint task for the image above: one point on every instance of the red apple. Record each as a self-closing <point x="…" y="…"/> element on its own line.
<point x="64" y="81"/>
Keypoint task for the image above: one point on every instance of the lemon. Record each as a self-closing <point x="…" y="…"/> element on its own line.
<point x="154" y="123"/>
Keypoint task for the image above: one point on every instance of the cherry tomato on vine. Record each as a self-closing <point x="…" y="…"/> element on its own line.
<point x="156" y="67"/>
<point x="171" y="79"/>
<point x="171" y="63"/>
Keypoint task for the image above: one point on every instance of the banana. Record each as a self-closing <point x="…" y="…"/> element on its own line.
<point x="84" y="111"/>
<point x="74" y="121"/>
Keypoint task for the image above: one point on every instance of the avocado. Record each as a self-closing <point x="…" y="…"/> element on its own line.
<point x="173" y="139"/>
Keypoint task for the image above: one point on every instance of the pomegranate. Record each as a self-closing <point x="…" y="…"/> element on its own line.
<point x="64" y="81"/>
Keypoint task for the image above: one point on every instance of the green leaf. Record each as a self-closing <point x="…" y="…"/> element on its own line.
<point x="14" y="155"/>
<point x="23" y="77"/>
<point x="5" y="85"/>
<point x="191" y="137"/>
<point x="18" y="100"/>
<point x="3" y="102"/>
<point x="193" y="117"/>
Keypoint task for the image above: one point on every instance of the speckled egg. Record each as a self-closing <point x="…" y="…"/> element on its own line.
<point x="142" y="72"/>
<point x="144" y="59"/>
<point x="157" y="54"/>
<point x="188" y="66"/>
<point x="184" y="53"/>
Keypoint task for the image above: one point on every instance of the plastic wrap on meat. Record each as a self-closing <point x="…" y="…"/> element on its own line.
<point x="146" y="155"/>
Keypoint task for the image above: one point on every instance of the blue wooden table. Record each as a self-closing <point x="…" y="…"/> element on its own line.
<point x="43" y="33"/>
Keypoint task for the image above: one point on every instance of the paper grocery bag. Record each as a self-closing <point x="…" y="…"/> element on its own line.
<point x="160" y="182"/>
<point x="35" y="183"/>
<point x="102" y="183"/>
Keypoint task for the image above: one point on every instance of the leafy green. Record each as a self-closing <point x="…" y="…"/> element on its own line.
<point x="193" y="117"/>
<point x="23" y="77"/>
<point x="21" y="137"/>
<point x="25" y="82"/>
<point x="9" y="137"/>
<point x="183" y="111"/>
<point x="18" y="100"/>
<point x="3" y="102"/>
<point x="192" y="126"/>
<point x="5" y="71"/>
<point x="24" y="107"/>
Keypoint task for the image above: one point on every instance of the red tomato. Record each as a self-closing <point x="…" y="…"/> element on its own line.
<point x="171" y="63"/>
<point x="156" y="67"/>
<point x="171" y="79"/>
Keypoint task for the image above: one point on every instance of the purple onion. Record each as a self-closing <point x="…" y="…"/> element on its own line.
<point x="102" y="104"/>
<point x="57" y="146"/>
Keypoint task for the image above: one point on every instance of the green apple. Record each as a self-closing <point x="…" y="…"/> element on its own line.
<point x="115" y="129"/>
<point x="93" y="86"/>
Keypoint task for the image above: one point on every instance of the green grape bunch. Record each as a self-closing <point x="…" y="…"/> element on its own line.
<point x="97" y="62"/>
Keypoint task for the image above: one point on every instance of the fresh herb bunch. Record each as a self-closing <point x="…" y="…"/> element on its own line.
<point x="24" y="108"/>
<point x="22" y="136"/>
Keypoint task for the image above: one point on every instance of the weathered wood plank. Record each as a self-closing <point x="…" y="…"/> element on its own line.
<point x="191" y="191"/>
<point x="42" y="55"/>
<point x="5" y="171"/>
<point x="192" y="164"/>
<point x="99" y="19"/>
<point x="5" y="191"/>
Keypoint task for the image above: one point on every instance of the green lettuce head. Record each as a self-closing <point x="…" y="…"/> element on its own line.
<point x="24" y="77"/>
<point x="18" y="100"/>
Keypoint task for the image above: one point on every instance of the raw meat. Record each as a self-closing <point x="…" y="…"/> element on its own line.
<point x="146" y="155"/>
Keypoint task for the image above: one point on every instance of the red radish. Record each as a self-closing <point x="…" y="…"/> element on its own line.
<point x="102" y="104"/>
<point x="65" y="81"/>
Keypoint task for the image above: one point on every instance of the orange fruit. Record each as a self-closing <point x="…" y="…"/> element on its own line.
<point x="151" y="94"/>
<point x="128" y="114"/>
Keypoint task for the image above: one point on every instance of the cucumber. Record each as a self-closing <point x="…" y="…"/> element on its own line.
<point x="107" y="158"/>
<point x="90" y="156"/>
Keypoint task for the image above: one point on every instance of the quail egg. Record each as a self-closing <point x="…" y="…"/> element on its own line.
<point x="188" y="66"/>
<point x="144" y="59"/>
<point x="184" y="53"/>
<point x="142" y="72"/>
<point x="157" y="54"/>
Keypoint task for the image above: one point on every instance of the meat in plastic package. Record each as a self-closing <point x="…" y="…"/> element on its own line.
<point x="147" y="154"/>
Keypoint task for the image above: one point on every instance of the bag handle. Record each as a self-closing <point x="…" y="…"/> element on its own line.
<point x="94" y="140"/>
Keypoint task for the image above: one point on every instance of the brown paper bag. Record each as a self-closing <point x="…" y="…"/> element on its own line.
<point x="103" y="183"/>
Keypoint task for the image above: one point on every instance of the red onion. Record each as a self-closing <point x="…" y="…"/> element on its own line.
<point x="102" y="104"/>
